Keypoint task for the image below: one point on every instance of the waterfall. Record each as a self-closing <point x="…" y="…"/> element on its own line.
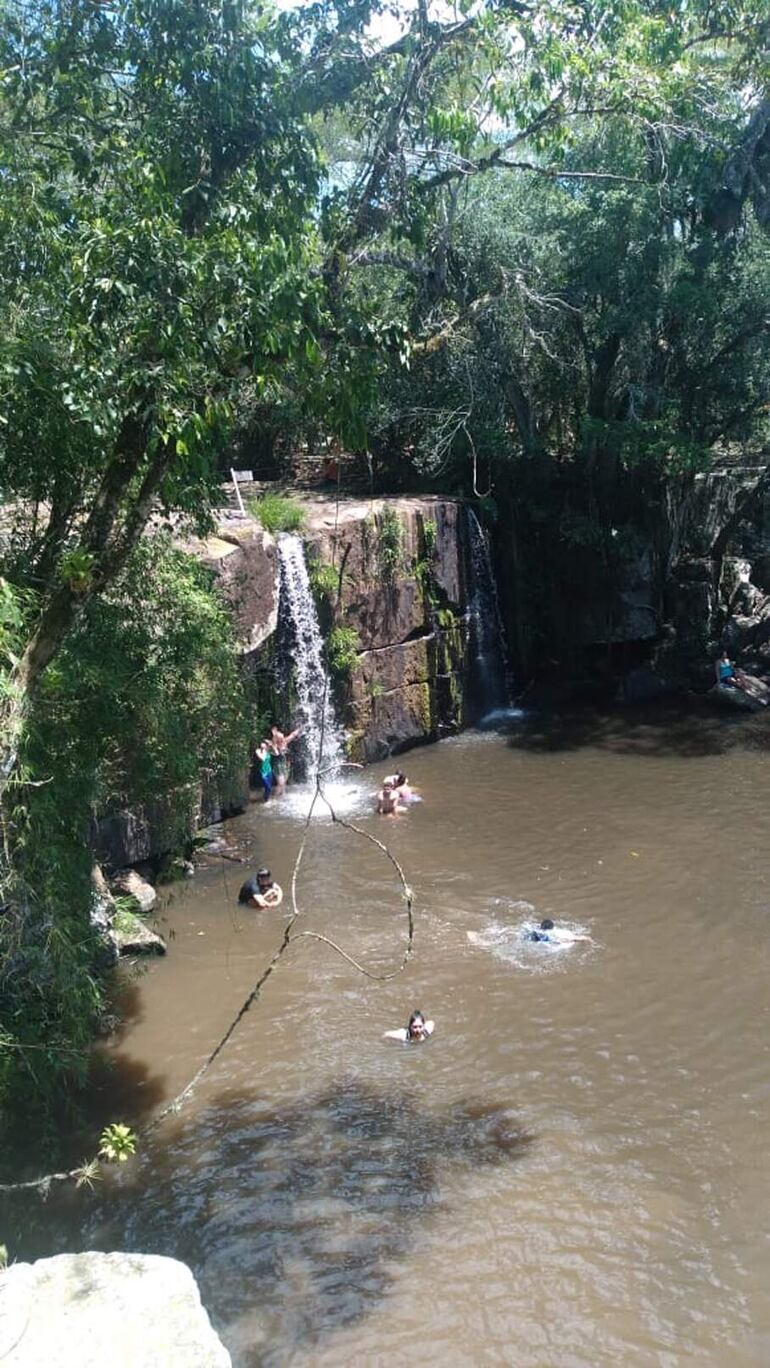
<point x="301" y="647"/>
<point x="487" y="637"/>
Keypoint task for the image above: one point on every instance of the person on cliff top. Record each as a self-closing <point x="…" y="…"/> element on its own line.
<point x="388" y="802"/>
<point x="261" y="890"/>
<point x="263" y="757"/>
<point x="279" y="749"/>
<point x="416" y="1029"/>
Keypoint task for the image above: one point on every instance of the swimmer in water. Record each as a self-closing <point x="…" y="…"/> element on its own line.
<point x="416" y="1029"/>
<point x="555" y="935"/>
<point x="403" y="788"/>
<point x="261" y="890"/>
<point x="388" y="799"/>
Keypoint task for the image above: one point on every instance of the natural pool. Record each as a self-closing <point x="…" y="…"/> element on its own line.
<point x="572" y="1171"/>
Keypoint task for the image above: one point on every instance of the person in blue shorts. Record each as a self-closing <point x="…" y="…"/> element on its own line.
<point x="264" y="758"/>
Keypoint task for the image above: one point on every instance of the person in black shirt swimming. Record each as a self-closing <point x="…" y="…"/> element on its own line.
<point x="261" y="890"/>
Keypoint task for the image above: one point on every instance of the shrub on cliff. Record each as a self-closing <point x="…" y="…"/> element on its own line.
<point x="146" y="701"/>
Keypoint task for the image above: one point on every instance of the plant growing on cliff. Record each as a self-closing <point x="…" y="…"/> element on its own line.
<point x="145" y="702"/>
<point x="430" y="538"/>
<point x="343" y="646"/>
<point x="390" y="537"/>
<point x="278" y="513"/>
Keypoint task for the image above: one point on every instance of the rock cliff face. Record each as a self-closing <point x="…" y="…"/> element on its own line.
<point x="401" y="597"/>
<point x="88" y="1310"/>
<point x="718" y="589"/>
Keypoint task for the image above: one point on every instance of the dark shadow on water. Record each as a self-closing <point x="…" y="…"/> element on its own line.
<point x="291" y="1218"/>
<point x="687" y="730"/>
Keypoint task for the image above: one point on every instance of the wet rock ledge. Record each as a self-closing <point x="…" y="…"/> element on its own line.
<point x="91" y="1310"/>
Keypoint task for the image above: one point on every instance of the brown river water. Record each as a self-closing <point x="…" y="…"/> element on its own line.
<point x="572" y="1171"/>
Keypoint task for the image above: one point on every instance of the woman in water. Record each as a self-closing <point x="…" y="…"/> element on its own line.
<point x="402" y="788"/>
<point x="416" y="1029"/>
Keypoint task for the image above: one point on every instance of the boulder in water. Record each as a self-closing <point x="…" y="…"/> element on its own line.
<point x="127" y="883"/>
<point x="134" y="937"/>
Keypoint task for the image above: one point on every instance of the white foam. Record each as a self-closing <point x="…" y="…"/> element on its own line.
<point x="500" y="717"/>
<point x="510" y="941"/>
<point x="345" y="798"/>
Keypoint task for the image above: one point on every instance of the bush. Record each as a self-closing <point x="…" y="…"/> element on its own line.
<point x="278" y="513"/>
<point x="389" y="543"/>
<point x="146" y="701"/>
<point x="342" y="647"/>
<point x="324" y="579"/>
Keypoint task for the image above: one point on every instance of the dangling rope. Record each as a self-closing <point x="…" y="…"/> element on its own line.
<point x="43" y="1184"/>
<point x="288" y="938"/>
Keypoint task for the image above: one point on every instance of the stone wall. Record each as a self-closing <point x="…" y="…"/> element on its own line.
<point x="401" y="590"/>
<point x="718" y="585"/>
<point x="403" y="594"/>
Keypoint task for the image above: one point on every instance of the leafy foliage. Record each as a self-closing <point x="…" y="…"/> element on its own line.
<point x="390" y="535"/>
<point x="278" y="513"/>
<point x="145" y="705"/>
<point x="519" y="251"/>
<point x="343" y="645"/>
<point x="117" y="1143"/>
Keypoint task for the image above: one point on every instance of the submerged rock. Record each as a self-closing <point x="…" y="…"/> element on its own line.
<point x="134" y="937"/>
<point x="128" y="883"/>
<point x="89" y="1310"/>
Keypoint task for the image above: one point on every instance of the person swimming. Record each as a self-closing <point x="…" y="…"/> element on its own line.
<point x="417" y="1028"/>
<point x="261" y="890"/>
<point x="388" y="801"/>
<point x="402" y="788"/>
<point x="554" y="935"/>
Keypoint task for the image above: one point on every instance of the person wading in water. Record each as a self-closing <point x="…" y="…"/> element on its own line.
<point x="261" y="890"/>
<point x="279" y="748"/>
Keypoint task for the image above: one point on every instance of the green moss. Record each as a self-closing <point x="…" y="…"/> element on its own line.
<point x="354" y="748"/>
<point x="425" y="709"/>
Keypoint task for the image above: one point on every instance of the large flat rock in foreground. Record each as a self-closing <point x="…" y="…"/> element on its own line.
<point x="105" y="1311"/>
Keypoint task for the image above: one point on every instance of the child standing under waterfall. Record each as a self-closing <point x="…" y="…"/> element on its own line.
<point x="279" y="748"/>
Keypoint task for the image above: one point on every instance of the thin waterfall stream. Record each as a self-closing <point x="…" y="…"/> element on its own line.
<point x="487" y="636"/>
<point x="302" y="656"/>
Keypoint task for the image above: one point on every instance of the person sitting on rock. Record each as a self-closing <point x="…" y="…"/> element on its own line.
<point x="388" y="802"/>
<point x="727" y="675"/>
<point x="416" y="1029"/>
<point x="261" y="890"/>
